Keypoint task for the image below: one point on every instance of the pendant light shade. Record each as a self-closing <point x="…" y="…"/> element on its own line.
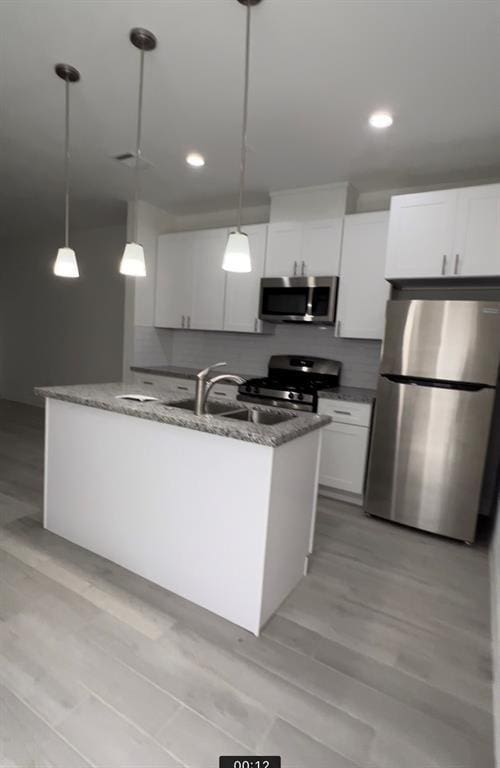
<point x="133" y="262"/>
<point x="66" y="264"/>
<point x="237" y="253"/>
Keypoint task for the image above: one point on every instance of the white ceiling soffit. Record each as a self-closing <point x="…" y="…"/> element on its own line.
<point x="319" y="68"/>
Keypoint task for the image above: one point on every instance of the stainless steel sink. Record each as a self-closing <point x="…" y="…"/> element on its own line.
<point x="213" y="407"/>
<point x="254" y="416"/>
<point x="224" y="410"/>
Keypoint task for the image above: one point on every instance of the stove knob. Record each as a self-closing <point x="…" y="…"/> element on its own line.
<point x="291" y="396"/>
<point x="301" y="396"/>
<point x="248" y="388"/>
<point x="256" y="390"/>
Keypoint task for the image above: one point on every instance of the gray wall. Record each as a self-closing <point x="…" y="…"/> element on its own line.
<point x="55" y="330"/>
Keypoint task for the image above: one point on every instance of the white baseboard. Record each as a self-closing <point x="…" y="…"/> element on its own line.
<point x="335" y="493"/>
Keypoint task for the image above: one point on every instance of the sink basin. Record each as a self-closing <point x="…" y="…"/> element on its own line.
<point x="251" y="415"/>
<point x="212" y="408"/>
<point x="254" y="416"/>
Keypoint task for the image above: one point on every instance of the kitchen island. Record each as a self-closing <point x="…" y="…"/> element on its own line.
<point x="217" y="509"/>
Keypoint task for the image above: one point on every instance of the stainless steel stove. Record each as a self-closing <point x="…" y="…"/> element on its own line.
<point x="292" y="382"/>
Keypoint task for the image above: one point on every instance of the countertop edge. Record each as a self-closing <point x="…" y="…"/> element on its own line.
<point x="209" y="424"/>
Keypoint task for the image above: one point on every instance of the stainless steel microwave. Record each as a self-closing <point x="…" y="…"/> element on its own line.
<point x="298" y="299"/>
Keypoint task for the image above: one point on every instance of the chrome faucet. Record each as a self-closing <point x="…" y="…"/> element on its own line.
<point x="204" y="385"/>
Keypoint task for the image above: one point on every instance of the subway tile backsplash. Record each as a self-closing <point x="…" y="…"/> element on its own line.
<point x="249" y="353"/>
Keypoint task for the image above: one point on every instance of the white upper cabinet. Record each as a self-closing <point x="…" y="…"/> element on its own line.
<point x="451" y="233"/>
<point x="243" y="289"/>
<point x="421" y="234"/>
<point x="209" y="279"/>
<point x="194" y="292"/>
<point x="476" y="249"/>
<point x="321" y="245"/>
<point x="363" y="290"/>
<point x="304" y="248"/>
<point x="174" y="280"/>
<point x="284" y="249"/>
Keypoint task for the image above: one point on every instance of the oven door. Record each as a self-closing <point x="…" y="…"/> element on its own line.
<point x="298" y="299"/>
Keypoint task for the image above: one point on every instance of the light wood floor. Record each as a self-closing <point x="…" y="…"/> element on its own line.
<point x="380" y="658"/>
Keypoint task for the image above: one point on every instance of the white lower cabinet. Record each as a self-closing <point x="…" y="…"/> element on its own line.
<point x="186" y="387"/>
<point x="344" y="448"/>
<point x="169" y="383"/>
<point x="343" y="457"/>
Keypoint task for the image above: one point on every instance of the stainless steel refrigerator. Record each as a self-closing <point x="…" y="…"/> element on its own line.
<point x="433" y="414"/>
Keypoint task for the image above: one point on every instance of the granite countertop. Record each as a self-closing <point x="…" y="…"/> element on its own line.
<point x="104" y="396"/>
<point x="179" y="372"/>
<point x="349" y="394"/>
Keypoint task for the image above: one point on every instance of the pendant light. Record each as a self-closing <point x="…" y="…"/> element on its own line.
<point x="65" y="264"/>
<point x="237" y="253"/>
<point x="133" y="262"/>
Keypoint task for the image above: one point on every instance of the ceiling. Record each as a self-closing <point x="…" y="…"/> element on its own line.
<point x="319" y="67"/>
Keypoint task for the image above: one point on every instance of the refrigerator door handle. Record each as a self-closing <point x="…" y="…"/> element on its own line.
<point x="466" y="386"/>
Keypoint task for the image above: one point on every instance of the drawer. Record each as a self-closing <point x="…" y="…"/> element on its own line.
<point x="344" y="412"/>
<point x="224" y="392"/>
<point x="147" y="379"/>
<point x="169" y="383"/>
<point x="180" y="386"/>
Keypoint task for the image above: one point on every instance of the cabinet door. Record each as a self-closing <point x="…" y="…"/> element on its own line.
<point x="284" y="249"/>
<point x="174" y="280"/>
<point x="477" y="238"/>
<point x="343" y="457"/>
<point x="243" y="289"/>
<point x="363" y="290"/>
<point x="321" y="246"/>
<point x="421" y="231"/>
<point x="209" y="279"/>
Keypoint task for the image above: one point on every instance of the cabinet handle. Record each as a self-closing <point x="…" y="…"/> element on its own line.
<point x="294" y="268"/>
<point x="255" y="325"/>
<point x="184" y="389"/>
<point x="221" y="394"/>
<point x="457" y="263"/>
<point x="189" y="321"/>
<point x="149" y="383"/>
<point x="344" y="413"/>
<point x="183" y="325"/>
<point x="339" y="327"/>
<point x="443" y="265"/>
<point x="303" y="269"/>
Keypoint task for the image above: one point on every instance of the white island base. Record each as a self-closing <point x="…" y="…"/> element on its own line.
<point x="222" y="522"/>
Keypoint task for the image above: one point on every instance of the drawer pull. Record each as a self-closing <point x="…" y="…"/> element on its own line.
<point x="185" y="389"/>
<point x="148" y="382"/>
<point x="222" y="394"/>
<point x="344" y="413"/>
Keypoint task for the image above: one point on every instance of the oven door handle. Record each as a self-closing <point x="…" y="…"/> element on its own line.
<point x="310" y="296"/>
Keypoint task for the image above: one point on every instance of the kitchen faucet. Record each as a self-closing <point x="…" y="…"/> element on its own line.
<point x="204" y="385"/>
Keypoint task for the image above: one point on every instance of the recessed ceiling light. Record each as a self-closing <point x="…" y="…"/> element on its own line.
<point x="195" y="160"/>
<point x="381" y="120"/>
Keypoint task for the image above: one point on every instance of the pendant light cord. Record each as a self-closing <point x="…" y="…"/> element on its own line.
<point x="138" y="145"/>
<point x="66" y="169"/>
<point x="243" y="162"/>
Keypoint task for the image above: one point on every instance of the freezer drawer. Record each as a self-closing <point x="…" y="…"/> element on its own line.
<point x="450" y="340"/>
<point x="427" y="457"/>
